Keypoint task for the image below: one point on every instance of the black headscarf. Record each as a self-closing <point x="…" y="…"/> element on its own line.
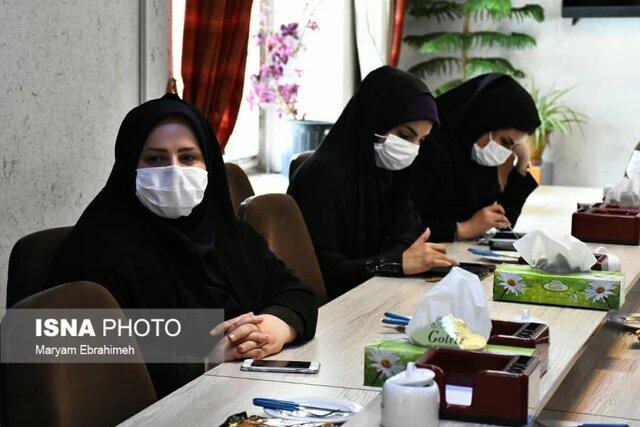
<point x="338" y="189"/>
<point x="486" y="103"/>
<point x="208" y="259"/>
<point x="447" y="183"/>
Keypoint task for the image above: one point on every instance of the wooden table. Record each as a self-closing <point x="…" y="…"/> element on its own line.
<point x="602" y="387"/>
<point x="550" y="207"/>
<point x="607" y="374"/>
<point x="348" y="323"/>
<point x="209" y="401"/>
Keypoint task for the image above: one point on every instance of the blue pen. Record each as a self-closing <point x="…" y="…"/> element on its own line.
<point x="392" y="315"/>
<point x="288" y="405"/>
<point x="485" y="252"/>
<point x="398" y="322"/>
<point x="562" y="423"/>
<point x="391" y="318"/>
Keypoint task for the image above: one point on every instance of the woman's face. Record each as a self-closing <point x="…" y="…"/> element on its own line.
<point x="171" y="143"/>
<point x="414" y="132"/>
<point x="508" y="138"/>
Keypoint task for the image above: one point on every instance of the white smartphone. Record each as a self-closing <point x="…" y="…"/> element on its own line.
<point x="289" y="366"/>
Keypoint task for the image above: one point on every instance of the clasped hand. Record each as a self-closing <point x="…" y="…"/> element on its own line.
<point x="250" y="336"/>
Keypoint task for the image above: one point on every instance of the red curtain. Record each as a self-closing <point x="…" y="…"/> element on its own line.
<point x="214" y="54"/>
<point x="398" y="26"/>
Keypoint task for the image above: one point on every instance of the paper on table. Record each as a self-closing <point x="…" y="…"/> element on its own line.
<point x="625" y="193"/>
<point x="458" y="395"/>
<point x="459" y="294"/>
<point x="556" y="255"/>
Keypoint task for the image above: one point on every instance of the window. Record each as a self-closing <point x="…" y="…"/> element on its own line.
<point x="244" y="141"/>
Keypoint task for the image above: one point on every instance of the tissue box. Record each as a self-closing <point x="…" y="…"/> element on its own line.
<point x="607" y="223"/>
<point x="598" y="290"/>
<point x="387" y="356"/>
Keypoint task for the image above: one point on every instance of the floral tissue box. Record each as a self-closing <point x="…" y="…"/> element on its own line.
<point x="385" y="358"/>
<point x="389" y="354"/>
<point x="600" y="290"/>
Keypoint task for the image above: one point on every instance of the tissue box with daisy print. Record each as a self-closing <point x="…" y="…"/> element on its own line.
<point x="600" y="290"/>
<point x="386" y="357"/>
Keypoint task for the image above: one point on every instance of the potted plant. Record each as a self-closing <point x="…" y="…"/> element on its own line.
<point x="453" y="50"/>
<point x="554" y="116"/>
<point x="275" y="86"/>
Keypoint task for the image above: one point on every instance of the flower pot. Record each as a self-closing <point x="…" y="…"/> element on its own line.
<point x="298" y="136"/>
<point x="535" y="151"/>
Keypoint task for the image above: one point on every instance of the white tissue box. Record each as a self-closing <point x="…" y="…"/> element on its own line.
<point x="598" y="290"/>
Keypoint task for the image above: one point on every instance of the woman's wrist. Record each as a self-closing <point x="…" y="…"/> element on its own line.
<point x="523" y="167"/>
<point x="461" y="231"/>
<point x="467" y="230"/>
<point x="282" y="328"/>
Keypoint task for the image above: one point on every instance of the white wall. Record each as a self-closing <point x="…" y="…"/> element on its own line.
<point x="601" y="58"/>
<point x="68" y="75"/>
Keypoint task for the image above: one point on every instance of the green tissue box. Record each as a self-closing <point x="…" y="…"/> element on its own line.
<point x="598" y="290"/>
<point x="388" y="356"/>
<point x="385" y="358"/>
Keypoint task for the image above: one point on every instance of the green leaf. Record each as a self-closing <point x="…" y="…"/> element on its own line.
<point x="435" y="66"/>
<point x="528" y="11"/>
<point x="492" y="38"/>
<point x="447" y="86"/>
<point x="436" y="42"/>
<point x="497" y="9"/>
<point x="554" y="116"/>
<point x="492" y="65"/>
<point x="440" y="10"/>
<point x="448" y="41"/>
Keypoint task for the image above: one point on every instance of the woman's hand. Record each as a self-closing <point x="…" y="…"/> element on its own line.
<point x="483" y="220"/>
<point x="278" y="331"/>
<point x="422" y="256"/>
<point x="242" y="338"/>
<point x="252" y="337"/>
<point x="521" y="150"/>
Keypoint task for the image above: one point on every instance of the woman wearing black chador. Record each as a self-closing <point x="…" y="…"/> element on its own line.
<point x="455" y="177"/>
<point x="354" y="190"/>
<point x="162" y="234"/>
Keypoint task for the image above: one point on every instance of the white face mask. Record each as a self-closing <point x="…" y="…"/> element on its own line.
<point x="492" y="154"/>
<point x="171" y="191"/>
<point x="633" y="167"/>
<point x="395" y="153"/>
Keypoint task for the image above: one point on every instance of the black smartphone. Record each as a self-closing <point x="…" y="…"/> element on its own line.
<point x="481" y="270"/>
<point x="503" y="240"/>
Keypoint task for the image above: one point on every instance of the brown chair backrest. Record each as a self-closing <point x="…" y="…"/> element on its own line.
<point x="30" y="261"/>
<point x="239" y="185"/>
<point x="278" y="219"/>
<point x="297" y="160"/>
<point x="70" y="394"/>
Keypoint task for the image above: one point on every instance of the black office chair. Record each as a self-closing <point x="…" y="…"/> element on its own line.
<point x="30" y="261"/>
<point x="297" y="160"/>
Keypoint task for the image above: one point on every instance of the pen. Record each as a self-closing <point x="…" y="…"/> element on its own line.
<point x="288" y="405"/>
<point x="393" y="315"/>
<point x="508" y="227"/>
<point x="398" y="322"/>
<point x="485" y="252"/>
